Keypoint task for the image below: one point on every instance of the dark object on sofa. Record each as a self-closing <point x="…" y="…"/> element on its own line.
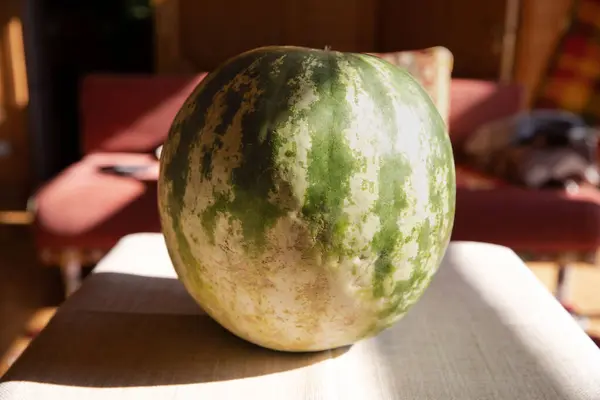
<point x="539" y="149"/>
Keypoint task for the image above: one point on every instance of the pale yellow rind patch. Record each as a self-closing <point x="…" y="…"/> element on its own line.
<point x="296" y="129"/>
<point x="415" y="144"/>
<point x="364" y="135"/>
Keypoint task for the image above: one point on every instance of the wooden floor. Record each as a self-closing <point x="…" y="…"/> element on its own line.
<point x="585" y="290"/>
<point x="29" y="292"/>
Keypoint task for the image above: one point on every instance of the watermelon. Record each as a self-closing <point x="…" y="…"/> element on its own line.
<point x="306" y="196"/>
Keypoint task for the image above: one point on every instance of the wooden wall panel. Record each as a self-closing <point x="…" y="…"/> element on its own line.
<point x="473" y="30"/>
<point x="346" y="25"/>
<point x="542" y="23"/>
<point x="213" y="31"/>
<point x="194" y="35"/>
<point x="14" y="141"/>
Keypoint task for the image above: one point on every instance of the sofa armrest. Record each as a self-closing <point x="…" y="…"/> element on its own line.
<point x="130" y="113"/>
<point x="474" y="102"/>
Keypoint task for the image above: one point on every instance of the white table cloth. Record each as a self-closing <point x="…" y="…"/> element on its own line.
<point x="485" y="329"/>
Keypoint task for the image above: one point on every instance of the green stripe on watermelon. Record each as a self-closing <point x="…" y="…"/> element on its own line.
<point x="307" y="196"/>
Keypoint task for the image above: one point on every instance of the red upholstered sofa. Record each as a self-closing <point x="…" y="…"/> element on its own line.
<point x="83" y="212"/>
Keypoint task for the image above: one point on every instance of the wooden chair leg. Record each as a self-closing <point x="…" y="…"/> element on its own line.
<point x="563" y="281"/>
<point x="71" y="270"/>
<point x="563" y="294"/>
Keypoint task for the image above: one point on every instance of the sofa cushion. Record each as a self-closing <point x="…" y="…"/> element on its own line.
<point x="432" y="67"/>
<point x="476" y="102"/>
<point x="86" y="207"/>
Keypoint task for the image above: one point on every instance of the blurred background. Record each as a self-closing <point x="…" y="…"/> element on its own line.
<point x="90" y="84"/>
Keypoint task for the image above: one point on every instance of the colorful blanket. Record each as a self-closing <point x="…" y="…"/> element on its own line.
<point x="572" y="80"/>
